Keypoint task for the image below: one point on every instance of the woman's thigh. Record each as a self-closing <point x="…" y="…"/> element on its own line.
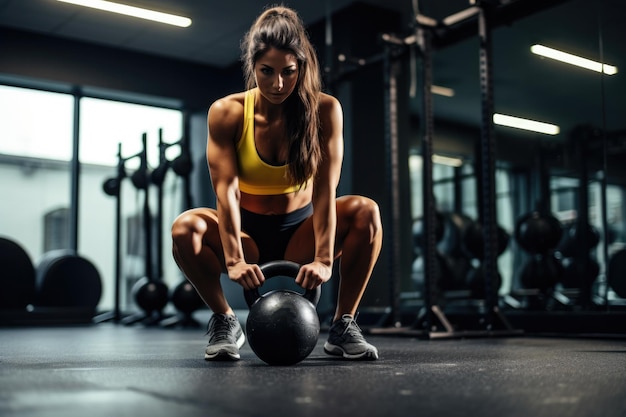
<point x="301" y="247"/>
<point x="204" y="224"/>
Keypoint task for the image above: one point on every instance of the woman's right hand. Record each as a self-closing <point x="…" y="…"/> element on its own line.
<point x="249" y="276"/>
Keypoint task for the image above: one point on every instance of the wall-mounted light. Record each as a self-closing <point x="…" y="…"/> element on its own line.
<point x="447" y="160"/>
<point x="442" y="91"/>
<point x="133" y="11"/>
<point x="573" y="59"/>
<point x="526" y="124"/>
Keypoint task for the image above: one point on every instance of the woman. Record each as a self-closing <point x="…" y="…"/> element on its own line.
<point x="274" y="154"/>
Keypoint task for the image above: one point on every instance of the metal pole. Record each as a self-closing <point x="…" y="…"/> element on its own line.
<point x="147" y="217"/>
<point x="159" y="214"/>
<point x="605" y="171"/>
<point x="431" y="295"/>
<point x="75" y="176"/>
<point x="391" y="139"/>
<point x="487" y="168"/>
<point x="117" y="316"/>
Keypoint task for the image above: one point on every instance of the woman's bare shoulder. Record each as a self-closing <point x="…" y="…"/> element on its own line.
<point x="329" y="105"/>
<point x="330" y="108"/>
<point x="225" y="118"/>
<point x="228" y="106"/>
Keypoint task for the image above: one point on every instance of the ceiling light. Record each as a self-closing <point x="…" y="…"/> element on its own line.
<point x="124" y="9"/>
<point x="446" y="160"/>
<point x="442" y="91"/>
<point x="526" y="124"/>
<point x="573" y="59"/>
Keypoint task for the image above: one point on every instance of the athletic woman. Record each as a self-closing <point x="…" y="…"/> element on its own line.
<point x="274" y="154"/>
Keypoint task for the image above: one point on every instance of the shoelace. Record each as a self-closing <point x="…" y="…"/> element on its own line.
<point x="221" y="328"/>
<point x="353" y="329"/>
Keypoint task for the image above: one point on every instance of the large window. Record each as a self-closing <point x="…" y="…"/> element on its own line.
<point x="104" y="125"/>
<point x="36" y="144"/>
<point x="35" y="150"/>
<point x="36" y="124"/>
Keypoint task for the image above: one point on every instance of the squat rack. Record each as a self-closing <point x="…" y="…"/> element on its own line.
<point x="431" y="320"/>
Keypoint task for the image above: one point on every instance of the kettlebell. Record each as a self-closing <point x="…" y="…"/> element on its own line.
<point x="282" y="326"/>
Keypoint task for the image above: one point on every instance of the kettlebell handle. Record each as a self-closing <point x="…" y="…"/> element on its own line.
<point x="281" y="269"/>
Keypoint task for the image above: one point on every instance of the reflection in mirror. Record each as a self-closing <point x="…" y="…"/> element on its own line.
<point x="559" y="194"/>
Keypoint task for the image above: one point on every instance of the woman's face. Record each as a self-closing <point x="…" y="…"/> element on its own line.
<point x="276" y="74"/>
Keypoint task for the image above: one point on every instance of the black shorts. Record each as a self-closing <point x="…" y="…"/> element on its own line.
<point x="272" y="232"/>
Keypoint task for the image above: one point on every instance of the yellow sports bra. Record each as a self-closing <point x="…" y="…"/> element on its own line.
<point x="256" y="176"/>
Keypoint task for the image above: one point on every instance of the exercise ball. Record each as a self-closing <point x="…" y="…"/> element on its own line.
<point x="282" y="326"/>
<point x="17" y="280"/>
<point x="65" y="279"/>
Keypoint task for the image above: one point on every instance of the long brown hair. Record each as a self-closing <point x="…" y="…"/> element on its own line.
<point x="281" y="28"/>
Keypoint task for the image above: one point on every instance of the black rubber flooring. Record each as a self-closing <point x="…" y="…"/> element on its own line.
<point x="112" y="370"/>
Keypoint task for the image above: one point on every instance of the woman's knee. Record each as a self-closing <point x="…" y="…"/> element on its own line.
<point x="189" y="226"/>
<point x="184" y="225"/>
<point x="365" y="214"/>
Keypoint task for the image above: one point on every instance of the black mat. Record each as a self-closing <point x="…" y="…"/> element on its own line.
<point x="114" y="371"/>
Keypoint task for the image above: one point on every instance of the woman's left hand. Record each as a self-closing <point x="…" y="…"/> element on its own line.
<point x="313" y="275"/>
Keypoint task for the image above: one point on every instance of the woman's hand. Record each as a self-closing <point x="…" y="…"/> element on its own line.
<point x="313" y="275"/>
<point x="249" y="276"/>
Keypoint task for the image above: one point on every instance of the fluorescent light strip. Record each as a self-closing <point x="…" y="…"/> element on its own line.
<point x="442" y="91"/>
<point x="526" y="124"/>
<point x="124" y="9"/>
<point x="446" y="160"/>
<point x="573" y="59"/>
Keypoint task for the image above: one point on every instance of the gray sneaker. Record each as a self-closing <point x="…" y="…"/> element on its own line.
<point x="345" y="339"/>
<point x="225" y="338"/>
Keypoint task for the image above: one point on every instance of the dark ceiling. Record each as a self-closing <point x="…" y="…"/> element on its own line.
<point x="524" y="84"/>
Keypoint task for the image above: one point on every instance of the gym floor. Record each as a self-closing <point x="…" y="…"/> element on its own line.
<point x="114" y="370"/>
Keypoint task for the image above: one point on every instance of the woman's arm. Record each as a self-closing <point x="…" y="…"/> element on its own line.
<point x="224" y="119"/>
<point x="324" y="194"/>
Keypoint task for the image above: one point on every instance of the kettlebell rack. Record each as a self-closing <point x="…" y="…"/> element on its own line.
<point x="113" y="187"/>
<point x="150" y="292"/>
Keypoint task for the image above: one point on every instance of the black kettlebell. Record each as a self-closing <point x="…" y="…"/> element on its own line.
<point x="537" y="232"/>
<point x="282" y="326"/>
